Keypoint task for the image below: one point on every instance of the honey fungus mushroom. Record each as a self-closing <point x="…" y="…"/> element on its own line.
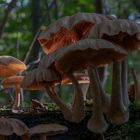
<point x="87" y="54"/>
<point x="10" y="66"/>
<point x="68" y="29"/>
<point x="126" y="34"/>
<point x="49" y="82"/>
<point x="14" y="82"/>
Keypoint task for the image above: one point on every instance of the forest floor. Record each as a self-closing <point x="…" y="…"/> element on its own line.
<point x="127" y="131"/>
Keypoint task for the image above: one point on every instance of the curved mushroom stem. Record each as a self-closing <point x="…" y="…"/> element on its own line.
<point x="26" y="136"/>
<point x="56" y="99"/>
<point x="42" y="137"/>
<point x="124" y="76"/>
<point x="118" y="112"/>
<point x="84" y="88"/>
<point x="97" y="122"/>
<point x="16" y="108"/>
<point x="78" y="105"/>
<point x="136" y="85"/>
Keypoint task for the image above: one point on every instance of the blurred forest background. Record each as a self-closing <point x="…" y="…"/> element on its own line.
<point x="21" y="20"/>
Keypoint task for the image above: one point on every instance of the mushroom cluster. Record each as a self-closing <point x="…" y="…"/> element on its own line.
<point x="79" y="44"/>
<point x="10" y="67"/>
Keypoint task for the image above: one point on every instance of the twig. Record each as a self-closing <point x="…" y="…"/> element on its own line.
<point x="11" y="5"/>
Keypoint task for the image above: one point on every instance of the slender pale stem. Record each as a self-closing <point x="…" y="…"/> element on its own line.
<point x="56" y="99"/>
<point x="118" y="112"/>
<point x="78" y="105"/>
<point x="136" y="85"/>
<point x="84" y="88"/>
<point x="97" y="121"/>
<point x="124" y="76"/>
<point x="17" y="103"/>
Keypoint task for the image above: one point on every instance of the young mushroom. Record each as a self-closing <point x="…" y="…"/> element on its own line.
<point x="14" y="82"/>
<point x="10" y="66"/>
<point x="49" y="82"/>
<point x="45" y="130"/>
<point x="8" y="126"/>
<point x="126" y="34"/>
<point x="87" y="53"/>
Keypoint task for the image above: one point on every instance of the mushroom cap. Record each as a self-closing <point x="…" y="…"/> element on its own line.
<point x="19" y="127"/>
<point x="6" y="128"/>
<point x="56" y="40"/>
<point x="95" y="52"/>
<point x="70" y="21"/>
<point x="10" y="66"/>
<point x="125" y="33"/>
<point x="82" y="78"/>
<point x="12" y="81"/>
<point x="48" y="129"/>
<point x="38" y="76"/>
<point x="68" y="29"/>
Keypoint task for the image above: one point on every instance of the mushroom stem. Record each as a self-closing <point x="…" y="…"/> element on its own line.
<point x="26" y="136"/>
<point x="2" y="137"/>
<point x="136" y="85"/>
<point x="56" y="99"/>
<point x="78" y="105"/>
<point x="97" y="122"/>
<point x="16" y="106"/>
<point x="84" y="88"/>
<point x="42" y="137"/>
<point x="118" y="112"/>
<point x="124" y="76"/>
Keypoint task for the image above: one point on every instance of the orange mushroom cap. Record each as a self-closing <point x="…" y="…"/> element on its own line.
<point x="10" y="66"/>
<point x="58" y="39"/>
<point x="11" y="81"/>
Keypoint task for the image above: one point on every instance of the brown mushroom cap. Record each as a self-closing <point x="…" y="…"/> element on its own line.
<point x="19" y="127"/>
<point x="8" y="126"/>
<point x="56" y="40"/>
<point x="38" y="76"/>
<point x="70" y="21"/>
<point x="68" y="29"/>
<point x="125" y="33"/>
<point x="5" y="127"/>
<point x="48" y="129"/>
<point x="10" y="66"/>
<point x="87" y="51"/>
<point x="11" y="81"/>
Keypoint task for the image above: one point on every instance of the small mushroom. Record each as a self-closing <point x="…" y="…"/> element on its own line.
<point x="10" y="66"/>
<point x="49" y="80"/>
<point x="14" y="82"/>
<point x="8" y="126"/>
<point x="45" y="130"/>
